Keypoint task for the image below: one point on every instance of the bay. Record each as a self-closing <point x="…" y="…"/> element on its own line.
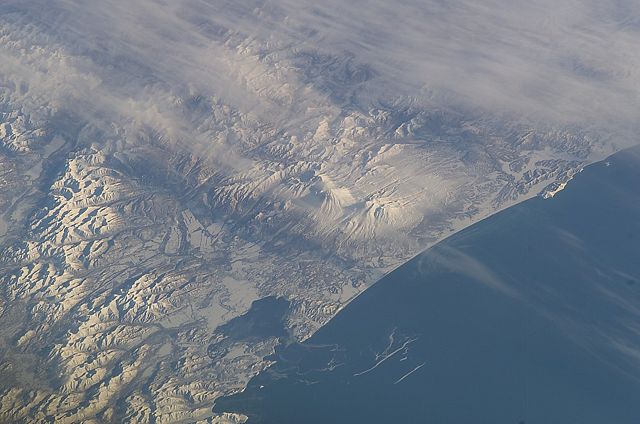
<point x="530" y="316"/>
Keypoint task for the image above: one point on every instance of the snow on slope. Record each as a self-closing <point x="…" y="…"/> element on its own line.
<point x="164" y="164"/>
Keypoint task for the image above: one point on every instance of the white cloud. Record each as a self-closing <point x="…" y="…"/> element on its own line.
<point x="563" y="61"/>
<point x="286" y="68"/>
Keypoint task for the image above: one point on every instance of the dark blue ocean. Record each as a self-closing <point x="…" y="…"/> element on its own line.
<point x="531" y="316"/>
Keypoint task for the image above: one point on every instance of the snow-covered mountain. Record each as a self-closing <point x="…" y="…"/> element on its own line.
<point x="165" y="164"/>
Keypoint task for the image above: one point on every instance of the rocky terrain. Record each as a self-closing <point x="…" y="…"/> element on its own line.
<point x="142" y="207"/>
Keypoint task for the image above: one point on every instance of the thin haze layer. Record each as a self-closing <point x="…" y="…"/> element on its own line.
<point x="567" y="62"/>
<point x="163" y="164"/>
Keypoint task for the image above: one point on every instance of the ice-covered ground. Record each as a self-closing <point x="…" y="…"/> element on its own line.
<point x="164" y="164"/>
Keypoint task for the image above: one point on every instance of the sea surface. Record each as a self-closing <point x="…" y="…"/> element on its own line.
<point x="531" y="316"/>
